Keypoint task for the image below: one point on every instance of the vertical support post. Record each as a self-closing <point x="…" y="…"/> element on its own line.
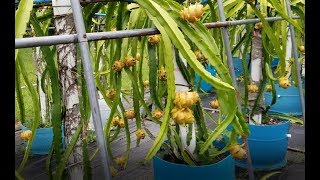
<point x="231" y="71"/>
<point x="88" y="73"/>
<point x="296" y="62"/>
<point x="228" y="50"/>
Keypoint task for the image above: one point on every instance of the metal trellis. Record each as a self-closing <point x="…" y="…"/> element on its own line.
<point x="296" y="62"/>
<point x="72" y="38"/>
<point x="233" y="76"/>
<point x="88" y="73"/>
<point x="82" y="38"/>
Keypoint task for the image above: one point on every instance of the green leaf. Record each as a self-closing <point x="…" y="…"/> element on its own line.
<point x="169" y="57"/>
<point x="87" y="175"/>
<point x="128" y="140"/>
<point x="19" y="94"/>
<point x="272" y="37"/>
<point x="153" y="75"/>
<point x="88" y="13"/>
<point x="134" y="81"/>
<point x="43" y="79"/>
<point x="56" y="109"/>
<point x="177" y="139"/>
<point x="204" y="41"/>
<point x="36" y="105"/>
<point x="267" y="176"/>
<point x="245" y="71"/>
<point x="21" y="19"/>
<point x="236" y="8"/>
<point x="183" y="68"/>
<point x="286" y="117"/>
<point x="61" y="166"/>
<point x="18" y="176"/>
<point x="155" y="12"/>
<point x="48" y="163"/>
<point x="217" y="131"/>
<point x="281" y="10"/>
<point x="110" y="11"/>
<point x="243" y="123"/>
<point x="294" y="75"/>
<point x="299" y="11"/>
<point x="269" y="73"/>
<point x="187" y="158"/>
<point x="263" y="6"/>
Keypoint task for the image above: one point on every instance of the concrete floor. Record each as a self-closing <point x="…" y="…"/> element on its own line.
<point x="294" y="170"/>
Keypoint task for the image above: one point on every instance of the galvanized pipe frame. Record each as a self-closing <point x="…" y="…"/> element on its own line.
<point x="91" y="87"/>
<point x="234" y="82"/>
<point x="82" y="2"/>
<point x="82" y="38"/>
<point x="72" y="38"/>
<point x="296" y="62"/>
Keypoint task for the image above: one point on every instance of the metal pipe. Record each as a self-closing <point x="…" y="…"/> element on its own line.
<point x="72" y="38"/>
<point x="228" y="49"/>
<point x="233" y="76"/>
<point x="45" y="41"/>
<point x="296" y="62"/>
<point x="213" y="24"/>
<point x="82" y="2"/>
<point x="88" y="72"/>
<point x="296" y="150"/>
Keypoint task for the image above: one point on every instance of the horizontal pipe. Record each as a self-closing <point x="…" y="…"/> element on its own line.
<point x="72" y="38"/>
<point x="296" y="150"/>
<point x="82" y="2"/>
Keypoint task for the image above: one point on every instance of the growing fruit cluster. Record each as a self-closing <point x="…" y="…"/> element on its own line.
<point x="237" y="151"/>
<point x="25" y="135"/>
<point x="284" y="82"/>
<point x="192" y="13"/>
<point x="128" y="61"/>
<point x="157" y="114"/>
<point x="253" y="88"/>
<point x="181" y="114"/>
<point x="200" y="57"/>
<point x="162" y="73"/>
<point x="116" y="121"/>
<point x="154" y="39"/>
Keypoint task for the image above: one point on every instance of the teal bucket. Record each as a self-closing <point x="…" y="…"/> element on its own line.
<point x="288" y="101"/>
<point x="237" y="63"/>
<point x="222" y="170"/>
<point x="42" y="141"/>
<point x="268" y="146"/>
<point x="204" y="85"/>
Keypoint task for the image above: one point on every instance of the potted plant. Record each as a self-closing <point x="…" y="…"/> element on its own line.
<point x="184" y="138"/>
<point x="43" y="137"/>
<point x="288" y="98"/>
<point x="268" y="140"/>
<point x="188" y="141"/>
<point x="185" y="143"/>
<point x="173" y="63"/>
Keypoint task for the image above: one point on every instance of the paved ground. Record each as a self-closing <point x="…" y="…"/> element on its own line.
<point x="35" y="168"/>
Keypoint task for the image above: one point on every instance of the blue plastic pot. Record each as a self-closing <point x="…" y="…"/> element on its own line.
<point x="274" y="62"/>
<point x="237" y="63"/>
<point x="204" y="85"/>
<point x="222" y="170"/>
<point x="42" y="141"/>
<point x="268" y="146"/>
<point x="288" y="101"/>
<point x="41" y="1"/>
